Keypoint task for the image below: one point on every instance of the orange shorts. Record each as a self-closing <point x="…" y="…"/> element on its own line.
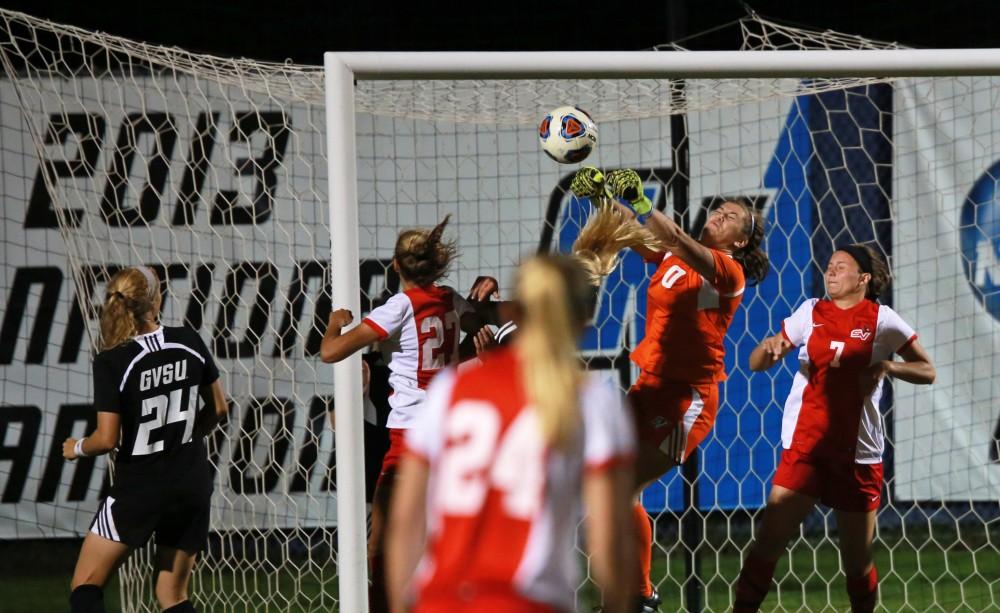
<point x="675" y="417"/>
<point x="840" y="485"/>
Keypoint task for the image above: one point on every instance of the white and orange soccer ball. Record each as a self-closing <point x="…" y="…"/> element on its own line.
<point x="568" y="134"/>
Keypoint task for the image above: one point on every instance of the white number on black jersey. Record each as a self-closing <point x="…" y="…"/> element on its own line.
<point x="166" y="410"/>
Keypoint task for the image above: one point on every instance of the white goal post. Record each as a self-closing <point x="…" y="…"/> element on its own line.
<point x="342" y="70"/>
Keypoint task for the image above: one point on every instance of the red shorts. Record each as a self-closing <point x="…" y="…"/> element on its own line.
<point x="390" y="461"/>
<point x="840" y="485"/>
<point x="675" y="417"/>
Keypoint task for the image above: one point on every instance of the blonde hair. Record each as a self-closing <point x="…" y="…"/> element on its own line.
<point x="607" y="232"/>
<point x="422" y="255"/>
<point x="554" y="294"/>
<point x="132" y="295"/>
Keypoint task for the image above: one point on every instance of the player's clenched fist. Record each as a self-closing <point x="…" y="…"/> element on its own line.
<point x="775" y="347"/>
<point x="340" y="318"/>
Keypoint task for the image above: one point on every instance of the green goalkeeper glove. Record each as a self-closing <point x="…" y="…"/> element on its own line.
<point x="589" y="183"/>
<point x="625" y="183"/>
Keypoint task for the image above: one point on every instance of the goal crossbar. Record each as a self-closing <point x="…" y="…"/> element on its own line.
<point x="669" y="64"/>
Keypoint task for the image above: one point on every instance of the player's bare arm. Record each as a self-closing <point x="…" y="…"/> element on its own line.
<point x="215" y="408"/>
<point x="101" y="441"/>
<point x="606" y="497"/>
<point x="405" y="535"/>
<point x="769" y="352"/>
<point x="336" y="346"/>
<point x="694" y="254"/>
<point x="915" y="368"/>
<point x="484" y="297"/>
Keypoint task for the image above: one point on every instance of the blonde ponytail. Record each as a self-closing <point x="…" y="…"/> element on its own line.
<point x="554" y="295"/>
<point x="607" y="232"/>
<point x="132" y="295"/>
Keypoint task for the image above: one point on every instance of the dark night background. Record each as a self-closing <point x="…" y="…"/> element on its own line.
<point x="301" y="31"/>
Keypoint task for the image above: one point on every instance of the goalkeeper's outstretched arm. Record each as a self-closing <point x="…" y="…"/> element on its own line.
<point x="677" y="241"/>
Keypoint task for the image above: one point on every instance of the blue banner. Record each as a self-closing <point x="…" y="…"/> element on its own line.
<point x="827" y="183"/>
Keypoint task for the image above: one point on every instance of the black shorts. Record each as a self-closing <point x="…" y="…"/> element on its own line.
<point x="176" y="510"/>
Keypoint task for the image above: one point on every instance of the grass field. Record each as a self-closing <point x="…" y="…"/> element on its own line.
<point x="917" y="574"/>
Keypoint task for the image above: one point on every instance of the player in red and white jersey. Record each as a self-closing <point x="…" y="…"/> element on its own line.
<point x="832" y="430"/>
<point x="498" y="462"/>
<point x="418" y="330"/>
<point x="691" y="300"/>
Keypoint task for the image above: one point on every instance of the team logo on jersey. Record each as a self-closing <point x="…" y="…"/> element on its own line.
<point x="979" y="234"/>
<point x="863" y="333"/>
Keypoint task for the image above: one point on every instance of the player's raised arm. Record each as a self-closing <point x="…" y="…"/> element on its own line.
<point x="610" y="228"/>
<point x="337" y="346"/>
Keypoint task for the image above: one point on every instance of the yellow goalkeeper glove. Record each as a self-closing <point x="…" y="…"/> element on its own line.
<point x="589" y="183"/>
<point x="625" y="183"/>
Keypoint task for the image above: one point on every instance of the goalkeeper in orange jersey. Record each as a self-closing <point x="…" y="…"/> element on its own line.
<point x="691" y="300"/>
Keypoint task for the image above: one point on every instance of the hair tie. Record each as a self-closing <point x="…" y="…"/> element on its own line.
<point x="753" y="222"/>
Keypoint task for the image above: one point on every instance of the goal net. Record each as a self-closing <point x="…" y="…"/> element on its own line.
<point x="214" y="172"/>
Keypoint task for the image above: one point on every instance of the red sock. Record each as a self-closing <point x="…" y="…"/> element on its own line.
<point x="644" y="534"/>
<point x="863" y="591"/>
<point x="753" y="584"/>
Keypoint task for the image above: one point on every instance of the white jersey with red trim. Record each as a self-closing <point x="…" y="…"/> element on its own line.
<point x="502" y="506"/>
<point x="825" y="413"/>
<point x="419" y="332"/>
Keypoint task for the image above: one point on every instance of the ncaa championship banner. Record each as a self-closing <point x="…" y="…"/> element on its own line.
<point x="946" y="241"/>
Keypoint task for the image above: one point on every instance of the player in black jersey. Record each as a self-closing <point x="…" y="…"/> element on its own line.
<point x="147" y="383"/>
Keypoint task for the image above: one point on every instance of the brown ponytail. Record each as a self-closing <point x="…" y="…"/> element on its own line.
<point x="130" y="299"/>
<point x="751" y="257"/>
<point x="555" y="295"/>
<point x="880" y="275"/>
<point x="423" y="256"/>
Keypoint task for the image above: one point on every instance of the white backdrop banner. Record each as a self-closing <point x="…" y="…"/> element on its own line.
<point x="947" y="266"/>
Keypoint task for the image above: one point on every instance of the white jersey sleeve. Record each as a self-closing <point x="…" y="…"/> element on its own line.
<point x="425" y="437"/>
<point x="796" y="327"/>
<point x="387" y="319"/>
<point x="608" y="432"/>
<point x="892" y="334"/>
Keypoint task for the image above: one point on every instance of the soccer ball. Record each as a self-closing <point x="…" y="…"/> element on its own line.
<point x="568" y="134"/>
